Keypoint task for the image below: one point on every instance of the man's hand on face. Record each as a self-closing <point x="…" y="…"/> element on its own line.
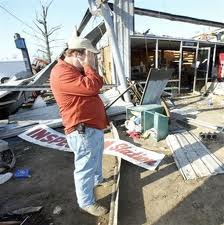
<point x="87" y="59"/>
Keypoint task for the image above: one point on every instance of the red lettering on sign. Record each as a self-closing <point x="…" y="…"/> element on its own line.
<point x="108" y="143"/>
<point x="138" y="156"/>
<point x="62" y="143"/>
<point x="145" y="159"/>
<point x="49" y="138"/>
<point x="34" y="131"/>
<point x="119" y="147"/>
<point x="42" y="133"/>
<point x="58" y="139"/>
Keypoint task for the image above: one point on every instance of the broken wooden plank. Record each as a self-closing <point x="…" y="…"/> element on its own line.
<point x="198" y="165"/>
<point x="192" y="157"/>
<point x="213" y="163"/>
<point x="183" y="164"/>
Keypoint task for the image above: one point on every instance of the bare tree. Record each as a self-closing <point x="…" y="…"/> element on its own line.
<point x="45" y="32"/>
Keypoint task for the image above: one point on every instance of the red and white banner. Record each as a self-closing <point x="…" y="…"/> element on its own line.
<point x="131" y="153"/>
<point x="47" y="137"/>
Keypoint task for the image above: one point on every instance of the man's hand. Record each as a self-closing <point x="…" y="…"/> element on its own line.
<point x="87" y="59"/>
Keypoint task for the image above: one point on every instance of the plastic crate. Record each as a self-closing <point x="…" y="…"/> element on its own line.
<point x="140" y="111"/>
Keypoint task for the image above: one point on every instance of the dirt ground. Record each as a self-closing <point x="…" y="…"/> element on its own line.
<point x="162" y="197"/>
<point x="50" y="185"/>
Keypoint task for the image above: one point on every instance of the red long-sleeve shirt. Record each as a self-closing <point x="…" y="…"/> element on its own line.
<point x="77" y="96"/>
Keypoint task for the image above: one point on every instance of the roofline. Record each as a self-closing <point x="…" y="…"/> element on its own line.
<point x="174" y="39"/>
<point x="174" y="17"/>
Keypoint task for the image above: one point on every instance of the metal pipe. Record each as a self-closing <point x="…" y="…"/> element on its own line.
<point x="105" y="12"/>
<point x="214" y="61"/>
<point x="116" y="54"/>
<point x="195" y="69"/>
<point x="173" y="17"/>
<point x="157" y="54"/>
<point x="207" y="71"/>
<point x="120" y="95"/>
<point x="180" y="64"/>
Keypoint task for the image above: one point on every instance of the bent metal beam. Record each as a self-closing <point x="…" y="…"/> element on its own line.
<point x="169" y="16"/>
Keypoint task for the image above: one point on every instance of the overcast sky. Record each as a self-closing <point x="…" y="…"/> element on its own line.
<point x="70" y="14"/>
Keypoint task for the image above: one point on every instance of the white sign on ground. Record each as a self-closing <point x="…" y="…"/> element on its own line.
<point x="131" y="153"/>
<point x="44" y="136"/>
<point x="47" y="137"/>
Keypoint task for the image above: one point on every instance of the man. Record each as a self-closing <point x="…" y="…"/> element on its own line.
<point x="75" y="85"/>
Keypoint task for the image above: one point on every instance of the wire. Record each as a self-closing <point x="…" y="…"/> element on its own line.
<point x="6" y="10"/>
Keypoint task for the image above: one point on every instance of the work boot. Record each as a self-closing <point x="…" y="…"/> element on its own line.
<point x="95" y="210"/>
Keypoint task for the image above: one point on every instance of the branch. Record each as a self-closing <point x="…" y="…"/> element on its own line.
<point x="42" y="32"/>
<point x="33" y="35"/>
<point x="39" y="50"/>
<point x="40" y="21"/>
<point x="44" y="15"/>
<point x="57" y="46"/>
<point x="56" y="40"/>
<point x="41" y="46"/>
<point x="47" y="7"/>
<point x="53" y="29"/>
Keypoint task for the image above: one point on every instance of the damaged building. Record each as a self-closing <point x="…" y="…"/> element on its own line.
<point x="195" y="62"/>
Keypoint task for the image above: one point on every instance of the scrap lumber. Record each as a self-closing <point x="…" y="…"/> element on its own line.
<point x="35" y="115"/>
<point x="12" y="132"/>
<point x="205" y="124"/>
<point x="193" y="159"/>
<point x="54" y="123"/>
<point x="10" y="223"/>
<point x="27" y="210"/>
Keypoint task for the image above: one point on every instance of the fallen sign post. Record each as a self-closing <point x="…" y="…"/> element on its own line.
<point x="47" y="137"/>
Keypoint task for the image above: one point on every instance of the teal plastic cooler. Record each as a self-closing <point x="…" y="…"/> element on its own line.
<point x="152" y="116"/>
<point x="140" y="111"/>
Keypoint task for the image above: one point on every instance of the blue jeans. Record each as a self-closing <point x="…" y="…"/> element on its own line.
<point x="88" y="152"/>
